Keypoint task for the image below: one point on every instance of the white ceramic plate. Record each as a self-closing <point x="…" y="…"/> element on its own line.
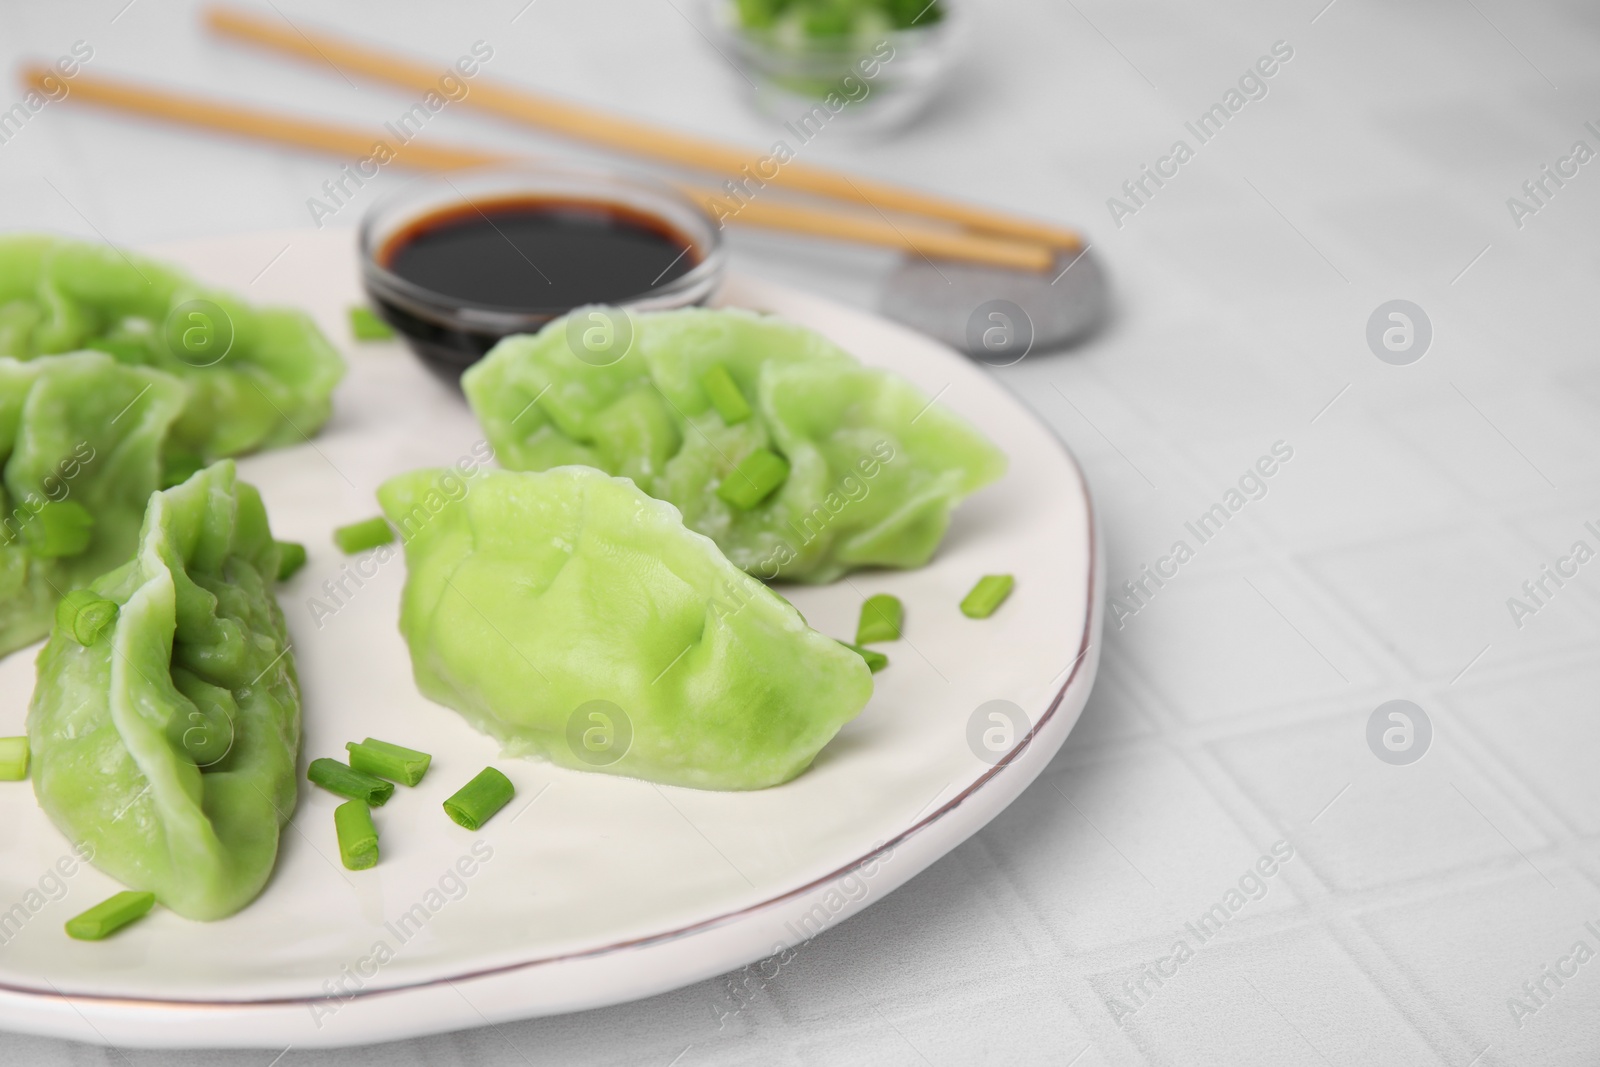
<point x="589" y="889"/>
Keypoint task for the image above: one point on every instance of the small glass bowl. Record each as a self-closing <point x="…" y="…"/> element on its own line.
<point x="450" y="334"/>
<point x="867" y="84"/>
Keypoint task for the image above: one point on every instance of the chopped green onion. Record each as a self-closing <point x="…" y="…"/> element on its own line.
<point x="358" y="838"/>
<point x="13" y="759"/>
<point x="126" y="351"/>
<point x="61" y="528"/>
<point x="360" y="536"/>
<point x="881" y="617"/>
<point x="291" y="557"/>
<point x="826" y="20"/>
<point x="84" y="615"/>
<point x="754" y="479"/>
<point x="990" y="592"/>
<point x="758" y="14"/>
<point x="110" y="915"/>
<point x="179" y="467"/>
<point x="339" y="779"/>
<point x="476" y="802"/>
<point x="725" y="395"/>
<point x="876" y="661"/>
<point x="368" y="327"/>
<point x="404" y="765"/>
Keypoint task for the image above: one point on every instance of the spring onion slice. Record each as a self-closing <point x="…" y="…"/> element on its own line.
<point x="876" y="661"/>
<point x="360" y="536"/>
<point x="110" y="915"/>
<point x="84" y="615"/>
<point x="291" y="557"/>
<point x="380" y="758"/>
<point x="13" y="759"/>
<point x="990" y="592"/>
<point x="340" y="780"/>
<point x="366" y="326"/>
<point x="881" y="617"/>
<point x="754" y="479"/>
<point x="725" y="395"/>
<point x="358" y="838"/>
<point x="476" y="802"/>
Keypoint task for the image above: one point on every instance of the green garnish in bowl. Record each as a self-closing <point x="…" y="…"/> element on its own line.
<point x="837" y="18"/>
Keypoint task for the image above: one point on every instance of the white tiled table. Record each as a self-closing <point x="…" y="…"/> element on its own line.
<point x="1231" y="710"/>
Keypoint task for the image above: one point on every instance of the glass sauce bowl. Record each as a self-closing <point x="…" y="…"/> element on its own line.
<point x="584" y="237"/>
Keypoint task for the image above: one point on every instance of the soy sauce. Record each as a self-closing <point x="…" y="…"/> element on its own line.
<point x="528" y="256"/>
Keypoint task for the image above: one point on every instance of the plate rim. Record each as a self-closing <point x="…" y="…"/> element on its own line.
<point x="689" y="930"/>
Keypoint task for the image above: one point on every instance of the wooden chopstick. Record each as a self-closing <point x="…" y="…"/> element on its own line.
<point x="625" y="135"/>
<point x="255" y="122"/>
<point x="906" y="236"/>
<point x="359" y="144"/>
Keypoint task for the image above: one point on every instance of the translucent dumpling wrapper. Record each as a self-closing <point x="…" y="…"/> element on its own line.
<point x="167" y="746"/>
<point x="80" y="435"/>
<point x="875" y="466"/>
<point x="258" y="377"/>
<point x="572" y="617"/>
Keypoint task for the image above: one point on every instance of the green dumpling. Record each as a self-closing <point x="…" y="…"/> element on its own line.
<point x="874" y="466"/>
<point x="572" y="617"/>
<point x="258" y="377"/>
<point x="80" y="439"/>
<point x="168" y="744"/>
